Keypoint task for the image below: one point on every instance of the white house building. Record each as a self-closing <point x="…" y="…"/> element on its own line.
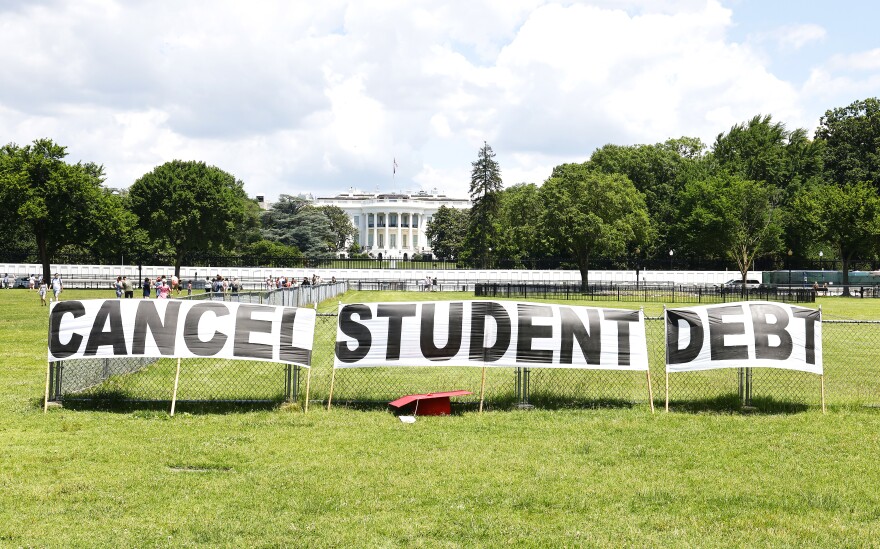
<point x="392" y="224"/>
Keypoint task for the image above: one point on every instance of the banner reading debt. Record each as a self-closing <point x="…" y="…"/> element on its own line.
<point x="489" y="333"/>
<point x="172" y="328"/>
<point x="754" y="333"/>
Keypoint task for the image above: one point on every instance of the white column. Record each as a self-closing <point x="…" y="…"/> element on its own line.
<point x="399" y="232"/>
<point x="387" y="229"/>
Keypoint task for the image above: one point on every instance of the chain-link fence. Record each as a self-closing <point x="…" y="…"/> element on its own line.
<point x="852" y="378"/>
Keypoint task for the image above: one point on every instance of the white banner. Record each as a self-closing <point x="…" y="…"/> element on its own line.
<point x="490" y="333"/>
<point x="744" y="334"/>
<point x="171" y="328"/>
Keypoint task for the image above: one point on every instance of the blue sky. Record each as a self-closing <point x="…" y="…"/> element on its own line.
<point x="319" y="97"/>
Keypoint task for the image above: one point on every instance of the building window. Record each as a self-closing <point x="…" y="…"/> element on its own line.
<point x="381" y="240"/>
<point x="415" y="221"/>
<point x="380" y="221"/>
<point x="393" y="220"/>
<point x="370" y="220"/>
<point x="393" y="240"/>
<point x="404" y="221"/>
<point x="415" y="241"/>
<point x="370" y="240"/>
<point x="357" y="221"/>
<point x="405" y="241"/>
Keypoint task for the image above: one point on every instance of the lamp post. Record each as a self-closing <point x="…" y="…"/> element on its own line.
<point x="671" y="253"/>
<point x="638" y="250"/>
<point x="822" y="266"/>
<point x="789" y="270"/>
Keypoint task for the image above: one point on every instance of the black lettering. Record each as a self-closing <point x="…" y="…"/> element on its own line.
<point x="191" y="330"/>
<point x="674" y="355"/>
<point x="426" y="334"/>
<point x="764" y="329"/>
<point x="245" y="325"/>
<point x="527" y="331"/>
<point x="289" y="353"/>
<point x="58" y="349"/>
<point x="394" y="313"/>
<point x="623" y="319"/>
<point x="480" y="310"/>
<point x="110" y="309"/>
<point x="354" y="330"/>
<point x="811" y="317"/>
<point x="718" y="329"/>
<point x="147" y="319"/>
<point x="589" y="340"/>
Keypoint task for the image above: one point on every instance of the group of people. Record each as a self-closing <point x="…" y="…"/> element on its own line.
<point x="430" y="284"/>
<point x="284" y="282"/>
<point x="222" y="285"/>
<point x="162" y="286"/>
<point x="37" y="283"/>
<point x="8" y="281"/>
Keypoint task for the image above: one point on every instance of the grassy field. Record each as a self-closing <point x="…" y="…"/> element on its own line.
<point x="545" y="478"/>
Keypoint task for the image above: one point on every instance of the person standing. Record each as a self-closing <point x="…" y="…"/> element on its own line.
<point x="164" y="290"/>
<point x="57" y="287"/>
<point x="118" y="287"/>
<point x="147" y="287"/>
<point x="44" y="289"/>
<point x="127" y="287"/>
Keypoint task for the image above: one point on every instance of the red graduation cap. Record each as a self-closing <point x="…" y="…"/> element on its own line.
<point x="429" y="404"/>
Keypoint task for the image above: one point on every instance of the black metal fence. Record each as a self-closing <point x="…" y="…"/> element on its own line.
<point x="644" y="293"/>
<point x="852" y="378"/>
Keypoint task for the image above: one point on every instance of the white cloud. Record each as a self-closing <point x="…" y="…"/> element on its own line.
<point x="794" y="37"/>
<point x="317" y="97"/>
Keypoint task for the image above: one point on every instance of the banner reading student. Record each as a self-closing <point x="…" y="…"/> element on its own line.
<point x="488" y="333"/>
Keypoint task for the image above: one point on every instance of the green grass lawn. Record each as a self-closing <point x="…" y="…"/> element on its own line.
<point x="546" y="478"/>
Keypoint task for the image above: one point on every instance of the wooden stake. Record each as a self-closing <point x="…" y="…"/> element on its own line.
<point x="308" y="384"/>
<point x="667" y="390"/>
<point x="650" y="391"/>
<point x="46" y="400"/>
<point x="332" y="381"/>
<point x="822" y="377"/>
<point x="176" y="381"/>
<point x="482" y="388"/>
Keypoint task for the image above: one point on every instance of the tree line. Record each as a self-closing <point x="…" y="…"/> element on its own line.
<point x="759" y="190"/>
<point x="178" y="209"/>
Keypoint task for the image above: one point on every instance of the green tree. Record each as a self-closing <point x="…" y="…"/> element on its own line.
<point x="343" y="229"/>
<point x="272" y="254"/>
<point x="519" y="229"/>
<point x="763" y="150"/>
<point x="447" y="232"/>
<point x="59" y="203"/>
<point x="852" y="137"/>
<point x="589" y="214"/>
<point x="731" y="217"/>
<point x="846" y="217"/>
<point x="658" y="171"/>
<point x="293" y="221"/>
<point x="485" y="185"/>
<point x="188" y="206"/>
